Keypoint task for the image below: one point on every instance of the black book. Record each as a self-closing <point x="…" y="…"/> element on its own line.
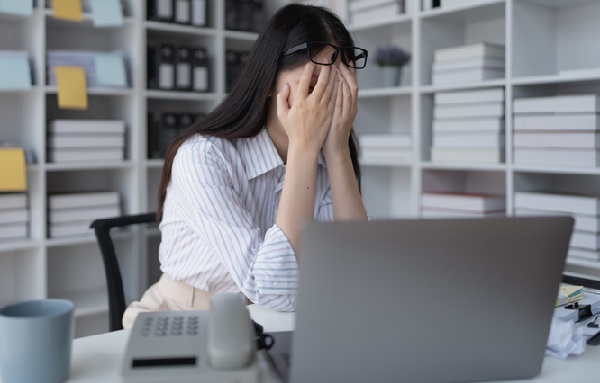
<point x="169" y="129"/>
<point x="161" y="10"/>
<point x="200" y="71"/>
<point x="183" y="11"/>
<point x="232" y="14"/>
<point x="184" y="69"/>
<point x="199" y="11"/>
<point x="166" y="60"/>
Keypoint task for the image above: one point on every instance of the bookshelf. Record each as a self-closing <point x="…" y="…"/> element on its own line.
<point x="549" y="51"/>
<point x="71" y="267"/>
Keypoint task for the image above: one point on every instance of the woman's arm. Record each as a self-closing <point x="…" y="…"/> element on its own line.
<point x="347" y="202"/>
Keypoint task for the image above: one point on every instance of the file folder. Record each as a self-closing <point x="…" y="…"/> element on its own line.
<point x="161" y="10"/>
<point x="200" y="71"/>
<point x="183" y="11"/>
<point x="184" y="69"/>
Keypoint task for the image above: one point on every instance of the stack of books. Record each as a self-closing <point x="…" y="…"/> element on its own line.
<point x="385" y="148"/>
<point x="468" y="126"/>
<point x="585" y="242"/>
<point x="86" y="140"/>
<point x="557" y="130"/>
<point x="71" y="214"/>
<point x="102" y="69"/>
<point x="568" y="294"/>
<point x="365" y="11"/>
<point x="14" y="216"/>
<point x="468" y="63"/>
<point x="463" y="205"/>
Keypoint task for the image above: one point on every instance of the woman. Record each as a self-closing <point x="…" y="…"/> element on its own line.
<point x="278" y="152"/>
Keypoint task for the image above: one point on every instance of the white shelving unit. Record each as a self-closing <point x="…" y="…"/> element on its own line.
<point x="72" y="267"/>
<point x="546" y="42"/>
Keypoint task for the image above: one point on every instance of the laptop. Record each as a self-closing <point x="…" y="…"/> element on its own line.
<point x="435" y="300"/>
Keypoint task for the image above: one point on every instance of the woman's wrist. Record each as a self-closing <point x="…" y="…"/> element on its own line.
<point x="337" y="154"/>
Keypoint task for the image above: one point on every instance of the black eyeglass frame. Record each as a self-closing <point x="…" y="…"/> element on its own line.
<point x="334" y="56"/>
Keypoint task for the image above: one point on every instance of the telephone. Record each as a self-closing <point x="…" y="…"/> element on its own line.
<point x="216" y="345"/>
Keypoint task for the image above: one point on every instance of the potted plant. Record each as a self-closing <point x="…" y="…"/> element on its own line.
<point x="390" y="60"/>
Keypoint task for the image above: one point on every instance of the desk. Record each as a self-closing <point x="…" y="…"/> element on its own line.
<point x="98" y="358"/>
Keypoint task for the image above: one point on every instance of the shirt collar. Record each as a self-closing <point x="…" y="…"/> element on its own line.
<point x="260" y="155"/>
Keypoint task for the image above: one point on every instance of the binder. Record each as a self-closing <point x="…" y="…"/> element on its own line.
<point x="153" y="135"/>
<point x="161" y="67"/>
<point x="232" y="63"/>
<point x="199" y="13"/>
<point x="199" y="117"/>
<point x="168" y="130"/>
<point x="232" y="14"/>
<point x="185" y="121"/>
<point x="161" y="10"/>
<point x="183" y="11"/>
<point x="200" y="71"/>
<point x="184" y="69"/>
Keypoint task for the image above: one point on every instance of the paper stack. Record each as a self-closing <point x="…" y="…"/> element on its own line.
<point x="15" y="71"/>
<point x="385" y="148"/>
<point x="71" y="214"/>
<point x="585" y="241"/>
<point x="568" y="294"/>
<point x="86" y="140"/>
<point x="557" y="130"/>
<point x="468" y="126"/>
<point x="14" y="216"/>
<point x="102" y="69"/>
<point x="463" y="205"/>
<point x="364" y="11"/>
<point x="468" y="63"/>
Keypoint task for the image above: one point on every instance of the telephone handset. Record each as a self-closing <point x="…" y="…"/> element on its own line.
<point x="213" y="345"/>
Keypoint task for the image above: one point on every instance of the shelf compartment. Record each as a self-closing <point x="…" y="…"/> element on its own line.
<point x="386" y="191"/>
<point x="562" y="36"/>
<point x="479" y="8"/>
<point x="485" y="22"/>
<point x="398" y="35"/>
<point x="19" y="264"/>
<point x="87" y="302"/>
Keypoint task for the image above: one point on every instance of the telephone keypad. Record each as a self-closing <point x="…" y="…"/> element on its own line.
<point x="174" y="326"/>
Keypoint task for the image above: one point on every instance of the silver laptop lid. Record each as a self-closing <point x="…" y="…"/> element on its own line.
<point x="431" y="301"/>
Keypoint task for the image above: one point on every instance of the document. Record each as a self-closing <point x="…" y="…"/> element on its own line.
<point x="13" y="174"/>
<point x="107" y="13"/>
<point x="110" y="70"/>
<point x="70" y="10"/>
<point x="72" y="92"/>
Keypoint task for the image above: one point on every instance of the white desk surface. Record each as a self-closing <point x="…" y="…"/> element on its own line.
<point x="98" y="358"/>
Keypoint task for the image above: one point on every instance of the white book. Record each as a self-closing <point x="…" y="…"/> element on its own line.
<point x="86" y="126"/>
<point x="13" y="201"/>
<point x="493" y="139"/>
<point x="76" y="228"/>
<point x="376" y="13"/>
<point x="491" y="110"/>
<point x="17" y="231"/>
<point x="587" y="223"/>
<point x="385" y="140"/>
<point x="470" y="63"/>
<point x="494" y="95"/>
<point x="475" y="202"/>
<point x="483" y="49"/>
<point x="92" y="154"/>
<point x="14" y="216"/>
<point x="357" y="5"/>
<point x="477" y="155"/>
<point x="445" y="213"/>
<point x="381" y="155"/>
<point x="466" y="76"/>
<point x="474" y="125"/>
<point x="85" y="199"/>
<point x="587" y="241"/>
<point x="541" y="139"/>
<point x="91" y="141"/>
<point x="557" y="156"/>
<point x="568" y="203"/>
<point x="579" y="103"/>
<point x="566" y="122"/>
<point x="81" y="214"/>
<point x="589" y="255"/>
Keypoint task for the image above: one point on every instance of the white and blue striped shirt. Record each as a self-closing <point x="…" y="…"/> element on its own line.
<point x="218" y="226"/>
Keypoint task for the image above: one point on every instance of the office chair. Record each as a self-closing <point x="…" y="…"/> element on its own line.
<point x="129" y="247"/>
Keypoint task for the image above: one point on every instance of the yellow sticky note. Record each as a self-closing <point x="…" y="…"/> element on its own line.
<point x="13" y="175"/>
<point x="72" y="91"/>
<point x="68" y="10"/>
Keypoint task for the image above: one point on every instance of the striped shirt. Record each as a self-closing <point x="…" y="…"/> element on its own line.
<point x="218" y="226"/>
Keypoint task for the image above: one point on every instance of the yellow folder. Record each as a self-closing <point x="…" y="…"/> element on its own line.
<point x="13" y="173"/>
<point x="72" y="90"/>
<point x="67" y="10"/>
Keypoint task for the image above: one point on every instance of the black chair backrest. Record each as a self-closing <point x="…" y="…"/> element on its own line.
<point x="129" y="247"/>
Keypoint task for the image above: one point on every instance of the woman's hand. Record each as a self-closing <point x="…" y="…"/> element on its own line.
<point x="346" y="108"/>
<point x="308" y="120"/>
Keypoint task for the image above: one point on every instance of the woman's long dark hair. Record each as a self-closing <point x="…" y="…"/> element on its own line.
<point x="244" y="111"/>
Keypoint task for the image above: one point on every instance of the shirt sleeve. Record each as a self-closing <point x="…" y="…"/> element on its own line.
<point x="265" y="270"/>
<point x="325" y="212"/>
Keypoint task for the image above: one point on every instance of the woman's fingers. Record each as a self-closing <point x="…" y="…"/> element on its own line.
<point x="305" y="80"/>
<point x="322" y="82"/>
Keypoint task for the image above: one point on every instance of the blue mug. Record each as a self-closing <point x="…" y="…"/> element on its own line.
<point x="35" y="341"/>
